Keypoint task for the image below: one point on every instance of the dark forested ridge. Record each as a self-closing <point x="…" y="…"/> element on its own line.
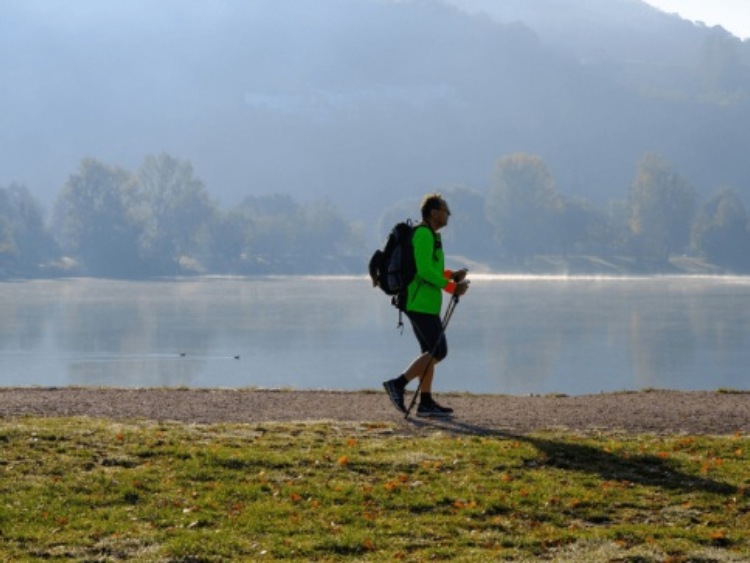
<point x="156" y="138"/>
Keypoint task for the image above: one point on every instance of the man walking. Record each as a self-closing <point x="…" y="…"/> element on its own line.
<point x="423" y="306"/>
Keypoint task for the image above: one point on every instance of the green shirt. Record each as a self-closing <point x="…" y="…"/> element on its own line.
<point x="425" y="291"/>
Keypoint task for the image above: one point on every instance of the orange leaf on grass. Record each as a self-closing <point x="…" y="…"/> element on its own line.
<point x="392" y="485"/>
<point x="368" y="545"/>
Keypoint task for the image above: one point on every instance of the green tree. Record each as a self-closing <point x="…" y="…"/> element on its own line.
<point x="176" y="213"/>
<point x="584" y="229"/>
<point x="720" y="231"/>
<point x="24" y="241"/>
<point x="277" y="234"/>
<point x="470" y="234"/>
<point x="618" y="222"/>
<point x="230" y="232"/>
<point x="94" y="220"/>
<point x="523" y="205"/>
<point x="272" y="230"/>
<point x="662" y="206"/>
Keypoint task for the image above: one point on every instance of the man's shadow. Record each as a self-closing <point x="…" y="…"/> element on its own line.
<point x="649" y="470"/>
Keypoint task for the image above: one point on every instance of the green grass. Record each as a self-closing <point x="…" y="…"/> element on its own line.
<point x="93" y="490"/>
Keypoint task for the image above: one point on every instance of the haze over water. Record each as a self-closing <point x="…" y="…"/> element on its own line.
<point x="511" y="335"/>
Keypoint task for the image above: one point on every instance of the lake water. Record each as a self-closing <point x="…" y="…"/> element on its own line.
<point x="514" y="335"/>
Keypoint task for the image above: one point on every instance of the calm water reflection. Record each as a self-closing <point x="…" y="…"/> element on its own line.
<point x="508" y="335"/>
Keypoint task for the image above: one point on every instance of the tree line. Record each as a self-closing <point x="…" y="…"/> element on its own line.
<point x="160" y="220"/>
<point x="659" y="218"/>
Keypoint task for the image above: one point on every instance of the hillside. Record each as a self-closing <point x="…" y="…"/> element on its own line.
<point x="367" y="102"/>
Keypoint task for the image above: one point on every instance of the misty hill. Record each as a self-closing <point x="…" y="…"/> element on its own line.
<point x="627" y="31"/>
<point x="366" y="102"/>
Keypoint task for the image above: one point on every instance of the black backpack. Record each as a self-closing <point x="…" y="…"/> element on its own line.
<point x="393" y="268"/>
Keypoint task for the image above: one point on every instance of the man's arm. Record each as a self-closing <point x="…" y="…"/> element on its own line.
<point x="424" y="246"/>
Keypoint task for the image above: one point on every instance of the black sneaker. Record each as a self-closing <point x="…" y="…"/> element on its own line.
<point x="395" y="394"/>
<point x="433" y="410"/>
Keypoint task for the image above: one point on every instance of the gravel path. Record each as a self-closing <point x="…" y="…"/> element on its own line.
<point x="658" y="412"/>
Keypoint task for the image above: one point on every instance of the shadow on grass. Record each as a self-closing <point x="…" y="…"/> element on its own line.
<point x="646" y="470"/>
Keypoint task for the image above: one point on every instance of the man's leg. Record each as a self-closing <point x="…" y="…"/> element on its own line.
<point x="424" y="367"/>
<point x="431" y="335"/>
<point x="429" y="332"/>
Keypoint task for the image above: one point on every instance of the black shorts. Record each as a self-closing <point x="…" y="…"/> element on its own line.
<point x="429" y="332"/>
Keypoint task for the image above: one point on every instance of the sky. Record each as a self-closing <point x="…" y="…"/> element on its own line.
<point x="732" y="15"/>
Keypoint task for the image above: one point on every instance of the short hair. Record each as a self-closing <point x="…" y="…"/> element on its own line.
<point x="430" y="202"/>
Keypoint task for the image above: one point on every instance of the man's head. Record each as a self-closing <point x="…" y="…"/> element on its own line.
<point x="435" y="211"/>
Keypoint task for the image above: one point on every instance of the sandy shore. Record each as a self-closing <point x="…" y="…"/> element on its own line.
<point x="659" y="412"/>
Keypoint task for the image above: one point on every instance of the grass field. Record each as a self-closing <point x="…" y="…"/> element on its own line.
<point x="95" y="490"/>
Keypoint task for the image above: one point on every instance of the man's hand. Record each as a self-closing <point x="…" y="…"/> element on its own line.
<point x="461" y="288"/>
<point x="459" y="275"/>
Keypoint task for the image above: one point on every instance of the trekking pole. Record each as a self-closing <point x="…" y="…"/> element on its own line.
<point x="446" y="319"/>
